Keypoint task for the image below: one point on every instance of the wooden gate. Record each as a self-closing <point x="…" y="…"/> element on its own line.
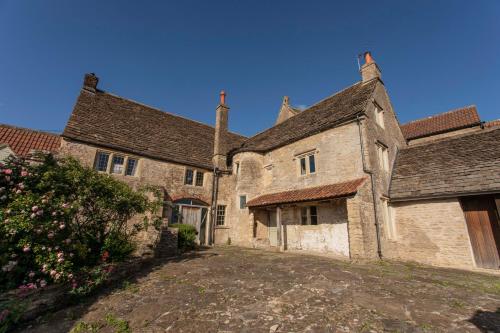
<point x="482" y="219"/>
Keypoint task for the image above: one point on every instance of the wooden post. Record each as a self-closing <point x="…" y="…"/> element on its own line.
<point x="278" y="227"/>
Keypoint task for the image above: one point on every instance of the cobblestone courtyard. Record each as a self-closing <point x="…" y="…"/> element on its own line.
<point x="230" y="289"/>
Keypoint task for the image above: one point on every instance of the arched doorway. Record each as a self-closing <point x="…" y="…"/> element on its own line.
<point x="193" y="212"/>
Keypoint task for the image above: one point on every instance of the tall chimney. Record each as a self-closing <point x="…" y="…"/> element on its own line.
<point x="369" y="70"/>
<point x="90" y="82"/>
<point x="220" y="144"/>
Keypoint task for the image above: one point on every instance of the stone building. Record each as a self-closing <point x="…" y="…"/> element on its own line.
<point x="23" y="142"/>
<point x="340" y="177"/>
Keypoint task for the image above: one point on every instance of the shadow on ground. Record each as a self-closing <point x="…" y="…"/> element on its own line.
<point x="76" y="311"/>
<point x="487" y="321"/>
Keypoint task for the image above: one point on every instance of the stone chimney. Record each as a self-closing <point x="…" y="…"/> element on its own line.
<point x="90" y="82"/>
<point x="220" y="144"/>
<point x="369" y="70"/>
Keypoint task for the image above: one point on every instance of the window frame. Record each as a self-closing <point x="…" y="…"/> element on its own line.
<point x="134" y="170"/>
<point x="243" y="201"/>
<point x="220" y="216"/>
<point x="383" y="156"/>
<point x="110" y="163"/>
<point x="197" y="178"/>
<point x="188" y="170"/>
<point x="380" y="116"/>
<point x="112" y="169"/>
<point x="304" y="163"/>
<point x="309" y="216"/>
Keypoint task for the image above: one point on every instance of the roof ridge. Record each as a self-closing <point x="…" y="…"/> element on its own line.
<point x="441" y="114"/>
<point x="454" y="137"/>
<point x="301" y="112"/>
<point x="162" y="111"/>
<point x="14" y="127"/>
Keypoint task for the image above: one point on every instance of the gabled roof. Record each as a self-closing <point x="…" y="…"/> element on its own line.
<point x="340" y="107"/>
<point x="459" y="165"/>
<point x="441" y="123"/>
<point x="107" y="120"/>
<point x="24" y="141"/>
<point x="324" y="192"/>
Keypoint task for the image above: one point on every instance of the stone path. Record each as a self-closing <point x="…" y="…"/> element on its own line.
<point x="230" y="289"/>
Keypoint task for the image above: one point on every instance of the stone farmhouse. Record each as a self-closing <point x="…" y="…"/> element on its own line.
<point x="341" y="177"/>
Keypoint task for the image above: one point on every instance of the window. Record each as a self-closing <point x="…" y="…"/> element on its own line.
<point x="389" y="222"/>
<point x="303" y="166"/>
<point x="199" y="178"/>
<point x="101" y="161"/>
<point x="379" y="117"/>
<point x="313" y="214"/>
<point x="312" y="164"/>
<point x="120" y="164"/>
<point x="303" y="216"/>
<point x="309" y="215"/>
<point x="383" y="157"/>
<point x="221" y="214"/>
<point x="188" y="179"/>
<point x="243" y="201"/>
<point x="117" y="164"/>
<point x="307" y="163"/>
<point x="131" y="166"/>
<point x="237" y="167"/>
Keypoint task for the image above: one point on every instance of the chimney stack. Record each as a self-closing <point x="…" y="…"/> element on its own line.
<point x="90" y="82"/>
<point x="369" y="70"/>
<point x="220" y="144"/>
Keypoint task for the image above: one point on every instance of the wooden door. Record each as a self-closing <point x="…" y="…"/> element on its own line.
<point x="273" y="229"/>
<point x="192" y="215"/>
<point x="484" y="230"/>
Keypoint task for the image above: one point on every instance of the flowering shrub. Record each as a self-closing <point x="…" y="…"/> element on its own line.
<point x="59" y="219"/>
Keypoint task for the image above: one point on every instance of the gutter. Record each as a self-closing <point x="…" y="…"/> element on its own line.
<point x="377" y="226"/>
<point x="215" y="192"/>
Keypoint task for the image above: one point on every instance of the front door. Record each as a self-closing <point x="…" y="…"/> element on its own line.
<point x="273" y="229"/>
<point x="484" y="229"/>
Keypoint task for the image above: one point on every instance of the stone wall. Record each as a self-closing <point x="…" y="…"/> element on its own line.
<point x="169" y="176"/>
<point x="431" y="232"/>
<point x="338" y="159"/>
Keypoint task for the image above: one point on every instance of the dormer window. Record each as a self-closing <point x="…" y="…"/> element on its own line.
<point x="379" y="116"/>
<point x="383" y="156"/>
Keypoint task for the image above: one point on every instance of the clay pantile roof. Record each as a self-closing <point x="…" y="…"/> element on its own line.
<point x="114" y="122"/>
<point x="460" y="165"/>
<point x="326" y="114"/>
<point x="308" y="194"/>
<point x="492" y="123"/>
<point x="24" y="141"/>
<point x="441" y="123"/>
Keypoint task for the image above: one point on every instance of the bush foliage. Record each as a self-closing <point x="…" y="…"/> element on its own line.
<point x="187" y="236"/>
<point x="58" y="219"/>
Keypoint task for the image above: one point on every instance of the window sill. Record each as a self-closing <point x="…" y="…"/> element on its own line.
<point x="221" y="227"/>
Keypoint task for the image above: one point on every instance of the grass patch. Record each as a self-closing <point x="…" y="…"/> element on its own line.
<point x="130" y="287"/>
<point x="111" y="321"/>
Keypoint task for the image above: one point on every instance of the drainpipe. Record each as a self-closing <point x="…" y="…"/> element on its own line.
<point x="377" y="226"/>
<point x="215" y="185"/>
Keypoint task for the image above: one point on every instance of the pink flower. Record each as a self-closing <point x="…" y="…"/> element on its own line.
<point x="74" y="285"/>
<point x="60" y="260"/>
<point x="67" y="241"/>
<point x="26" y="249"/>
<point x="34" y="208"/>
<point x="6" y="221"/>
<point x="54" y="213"/>
<point x="7" y="171"/>
<point x="43" y="283"/>
<point x="50" y="235"/>
<point x="21" y="186"/>
<point x="33" y="215"/>
<point x="71" y="255"/>
<point x="45" y="267"/>
<point x="38" y="231"/>
<point x="39" y="212"/>
<point x="62" y="226"/>
<point x="24" y="173"/>
<point x="19" y="192"/>
<point x="70" y="276"/>
<point x="56" y="248"/>
<point x="44" y="201"/>
<point x="65" y="205"/>
<point x="53" y="272"/>
<point x="60" y="254"/>
<point x="57" y="276"/>
<point x="31" y="274"/>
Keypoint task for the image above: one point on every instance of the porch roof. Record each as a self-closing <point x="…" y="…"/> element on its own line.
<point x="324" y="192"/>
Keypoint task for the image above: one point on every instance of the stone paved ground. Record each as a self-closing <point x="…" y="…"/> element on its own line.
<point x="230" y="289"/>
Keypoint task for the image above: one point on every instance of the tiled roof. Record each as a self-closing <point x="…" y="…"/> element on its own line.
<point x="23" y="141"/>
<point x="326" y="114"/>
<point x="110" y="121"/>
<point x="308" y="194"/>
<point x="464" y="164"/>
<point x="441" y="123"/>
<point x="492" y="123"/>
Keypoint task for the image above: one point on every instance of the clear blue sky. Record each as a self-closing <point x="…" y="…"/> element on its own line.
<point x="177" y="55"/>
